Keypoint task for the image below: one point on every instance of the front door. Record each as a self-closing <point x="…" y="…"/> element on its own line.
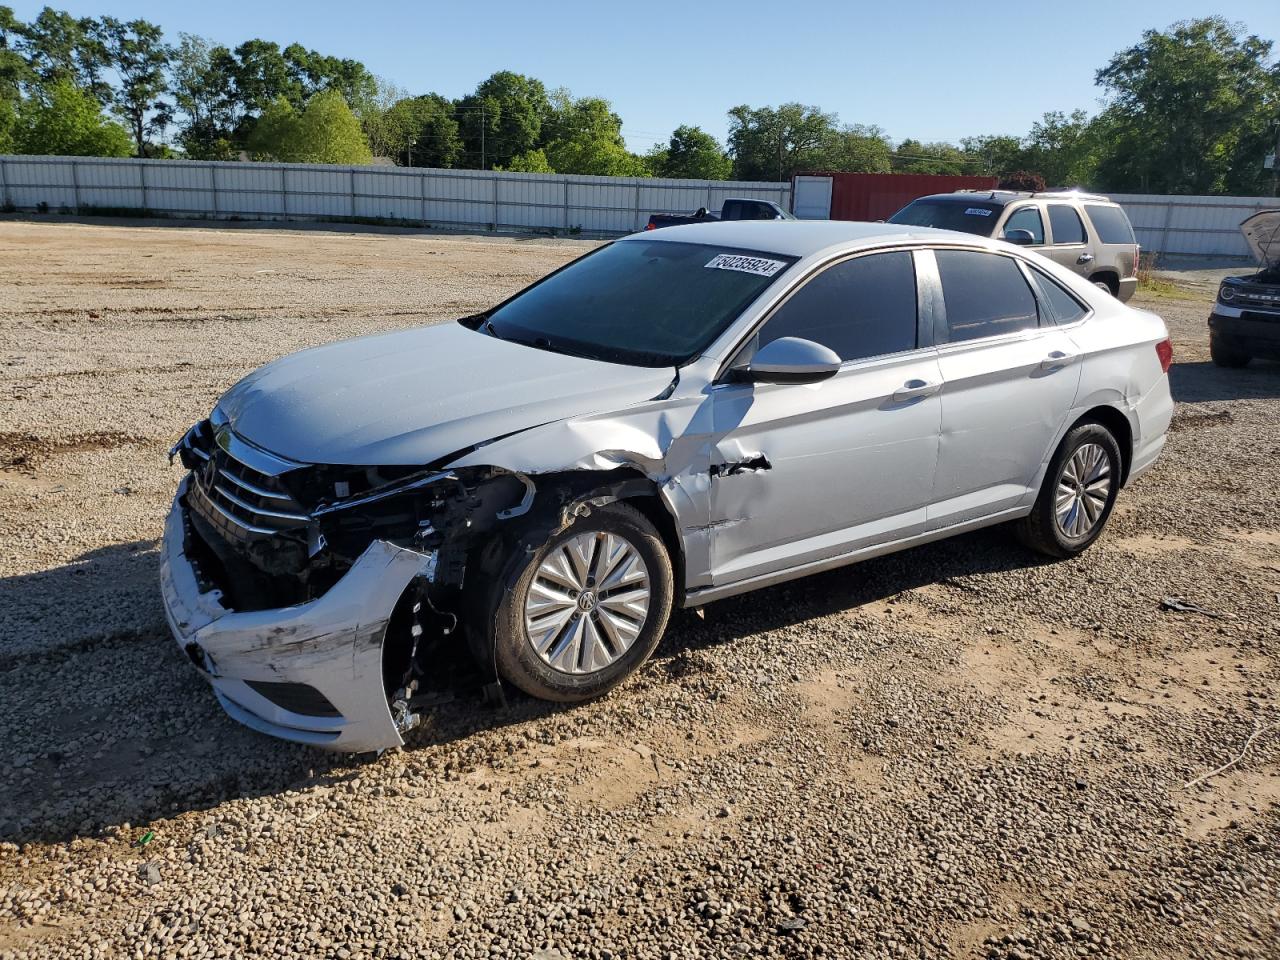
<point x="803" y="472"/>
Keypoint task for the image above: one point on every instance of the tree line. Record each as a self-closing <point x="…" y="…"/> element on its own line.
<point x="1189" y="109"/>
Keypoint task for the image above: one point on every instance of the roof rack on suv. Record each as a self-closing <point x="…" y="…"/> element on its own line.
<point x="1077" y="194"/>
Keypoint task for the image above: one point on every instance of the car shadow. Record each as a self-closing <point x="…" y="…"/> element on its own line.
<point x="107" y="725"/>
<point x="1205" y="382"/>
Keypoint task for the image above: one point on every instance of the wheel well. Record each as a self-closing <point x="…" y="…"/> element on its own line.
<point x="1109" y="277"/>
<point x="656" y="513"/>
<point x="1118" y="424"/>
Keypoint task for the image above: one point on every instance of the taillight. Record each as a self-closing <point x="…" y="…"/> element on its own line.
<point x="1164" y="350"/>
<point x="648" y="226"/>
<point x="1137" y="258"/>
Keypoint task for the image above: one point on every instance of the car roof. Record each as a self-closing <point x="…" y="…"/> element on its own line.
<point x="801" y="238"/>
<point x="1006" y="197"/>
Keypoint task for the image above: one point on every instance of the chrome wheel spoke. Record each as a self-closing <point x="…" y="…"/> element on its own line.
<point x="587" y="603"/>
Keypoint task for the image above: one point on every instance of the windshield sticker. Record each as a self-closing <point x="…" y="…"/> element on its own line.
<point x="977" y="212"/>
<point x="757" y="265"/>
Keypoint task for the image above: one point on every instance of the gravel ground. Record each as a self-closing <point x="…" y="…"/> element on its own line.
<point x="959" y="751"/>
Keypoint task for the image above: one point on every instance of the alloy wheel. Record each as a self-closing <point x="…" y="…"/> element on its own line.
<point x="587" y="602"/>
<point x="1084" y="486"/>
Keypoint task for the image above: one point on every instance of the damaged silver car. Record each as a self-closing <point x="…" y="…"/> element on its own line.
<point x="674" y="418"/>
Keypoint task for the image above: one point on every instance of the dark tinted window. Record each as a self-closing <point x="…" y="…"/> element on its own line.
<point x="646" y="302"/>
<point x="985" y="295"/>
<point x="1028" y="218"/>
<point x="1111" y="223"/>
<point x="1064" y="307"/>
<point x="1066" y="224"/>
<point x="967" y="216"/>
<point x="865" y="307"/>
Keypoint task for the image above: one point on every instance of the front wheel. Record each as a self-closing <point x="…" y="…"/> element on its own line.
<point x="1078" y="493"/>
<point x="586" y="609"/>
<point x="1227" y="354"/>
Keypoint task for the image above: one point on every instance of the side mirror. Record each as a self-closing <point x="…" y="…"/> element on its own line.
<point x="1023" y="238"/>
<point x="790" y="360"/>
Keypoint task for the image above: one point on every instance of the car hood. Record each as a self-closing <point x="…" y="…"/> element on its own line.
<point x="415" y="396"/>
<point x="1262" y="232"/>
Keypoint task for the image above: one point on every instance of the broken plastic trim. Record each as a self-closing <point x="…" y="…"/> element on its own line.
<point x="383" y="493"/>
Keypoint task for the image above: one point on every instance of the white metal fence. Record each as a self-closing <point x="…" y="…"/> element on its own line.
<point x="1193" y="225"/>
<point x="276" y="191"/>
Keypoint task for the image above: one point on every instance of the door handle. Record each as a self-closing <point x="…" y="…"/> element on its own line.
<point x="1085" y="258"/>
<point x="915" y="389"/>
<point x="1057" y="360"/>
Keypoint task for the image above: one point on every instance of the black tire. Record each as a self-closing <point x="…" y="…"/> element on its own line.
<point x="1040" y="530"/>
<point x="1102" y="284"/>
<point x="1227" y="354"/>
<point x="520" y="663"/>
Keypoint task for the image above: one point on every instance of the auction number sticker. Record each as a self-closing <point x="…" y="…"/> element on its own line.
<point x="735" y="261"/>
<point x="977" y="212"/>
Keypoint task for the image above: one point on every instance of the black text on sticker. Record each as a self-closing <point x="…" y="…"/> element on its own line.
<point x="735" y="261"/>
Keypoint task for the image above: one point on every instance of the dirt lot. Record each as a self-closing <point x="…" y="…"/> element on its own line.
<point x="957" y="751"/>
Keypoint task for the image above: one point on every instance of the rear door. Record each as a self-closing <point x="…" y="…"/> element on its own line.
<point x="1010" y="378"/>
<point x="1068" y="241"/>
<point x="803" y="472"/>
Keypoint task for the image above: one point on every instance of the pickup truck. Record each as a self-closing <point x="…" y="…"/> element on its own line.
<point x="734" y="208"/>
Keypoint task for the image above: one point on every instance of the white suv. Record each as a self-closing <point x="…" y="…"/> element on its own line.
<point x="1084" y="232"/>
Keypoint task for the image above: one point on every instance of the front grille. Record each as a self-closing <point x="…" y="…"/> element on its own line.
<point x="1260" y="317"/>
<point x="237" y="488"/>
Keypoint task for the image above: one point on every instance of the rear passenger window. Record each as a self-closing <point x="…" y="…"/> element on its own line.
<point x="1028" y="218"/>
<point x="1064" y="307"/>
<point x="1065" y="223"/>
<point x="865" y="307"/>
<point x="1111" y="223"/>
<point x="985" y="295"/>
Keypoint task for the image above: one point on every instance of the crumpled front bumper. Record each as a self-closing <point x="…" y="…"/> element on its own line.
<point x="332" y="644"/>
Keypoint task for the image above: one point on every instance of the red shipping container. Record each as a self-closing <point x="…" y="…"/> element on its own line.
<point x="875" y="196"/>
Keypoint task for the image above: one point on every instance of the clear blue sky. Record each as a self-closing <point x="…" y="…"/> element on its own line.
<point x="929" y="70"/>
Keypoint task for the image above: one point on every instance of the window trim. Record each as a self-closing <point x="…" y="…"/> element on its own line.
<point x="942" y="332"/>
<point x="1084" y="230"/>
<point x="924" y="327"/>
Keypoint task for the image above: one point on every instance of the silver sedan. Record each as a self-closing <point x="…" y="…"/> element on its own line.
<point x="674" y="418"/>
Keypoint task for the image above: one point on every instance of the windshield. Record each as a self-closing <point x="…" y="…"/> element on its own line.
<point x="648" y="303"/>
<point x="967" y="216"/>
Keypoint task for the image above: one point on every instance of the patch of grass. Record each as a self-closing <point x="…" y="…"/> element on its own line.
<point x="1162" y="289"/>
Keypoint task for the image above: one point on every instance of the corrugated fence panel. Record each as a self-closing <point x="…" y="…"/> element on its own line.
<point x="480" y="198"/>
<point x="1192" y="225"/>
<point x="116" y="184"/>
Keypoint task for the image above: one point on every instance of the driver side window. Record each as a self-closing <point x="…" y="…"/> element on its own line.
<point x="1028" y="218"/>
<point x="863" y="307"/>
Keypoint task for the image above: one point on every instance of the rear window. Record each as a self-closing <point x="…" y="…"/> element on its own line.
<point x="1111" y="223"/>
<point x="967" y="216"/>
<point x="1065" y="224"/>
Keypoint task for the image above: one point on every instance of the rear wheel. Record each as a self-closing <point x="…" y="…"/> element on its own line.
<point x="1225" y="353"/>
<point x="587" y="609"/>
<point x="1103" y="285"/>
<point x="1078" y="493"/>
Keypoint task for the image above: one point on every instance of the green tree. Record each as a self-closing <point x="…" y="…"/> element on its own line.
<point x="995" y="155"/>
<point x="912" y="156"/>
<point x="420" y="132"/>
<point x="203" y="88"/>
<point x="1190" y="110"/>
<point x="535" y="161"/>
<point x="693" y="154"/>
<point x="769" y="143"/>
<point x="136" y="51"/>
<point x="261" y="76"/>
<point x="856" y="149"/>
<point x="57" y="46"/>
<point x="325" y="131"/>
<point x="8" y="124"/>
<point x="15" y="73"/>
<point x="502" y="118"/>
<point x="585" y="137"/>
<point x="315" y="72"/>
<point x="1064" y="148"/>
<point x="61" y="119"/>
